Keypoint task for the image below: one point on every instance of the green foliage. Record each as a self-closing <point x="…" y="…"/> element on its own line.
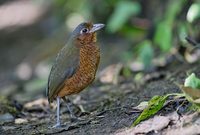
<point x="126" y="72"/>
<point x="173" y="9"/>
<point x="35" y="84"/>
<point x="192" y="81"/>
<point x="193" y="12"/>
<point x="133" y="33"/>
<point x="191" y="90"/>
<point x="123" y="11"/>
<point x="182" y="32"/>
<point x="146" y="53"/>
<point x="132" y="20"/>
<point x="164" y="33"/>
<point x="154" y="105"/>
<point x="139" y="77"/>
<point x="65" y="8"/>
<point x="6" y="106"/>
<point x="163" y="36"/>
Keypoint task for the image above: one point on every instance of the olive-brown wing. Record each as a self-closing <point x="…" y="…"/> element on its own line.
<point x="65" y="66"/>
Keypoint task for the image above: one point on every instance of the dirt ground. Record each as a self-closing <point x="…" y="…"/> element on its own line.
<point x="108" y="109"/>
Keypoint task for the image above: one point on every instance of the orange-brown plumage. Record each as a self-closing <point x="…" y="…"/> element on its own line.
<point x="89" y="60"/>
<point x="76" y="64"/>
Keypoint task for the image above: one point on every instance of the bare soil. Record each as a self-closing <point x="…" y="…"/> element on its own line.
<point x="105" y="108"/>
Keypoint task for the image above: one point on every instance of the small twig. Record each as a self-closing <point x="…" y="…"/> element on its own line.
<point x="184" y="101"/>
<point x="193" y="42"/>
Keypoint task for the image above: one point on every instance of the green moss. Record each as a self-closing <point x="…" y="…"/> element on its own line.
<point x="6" y="106"/>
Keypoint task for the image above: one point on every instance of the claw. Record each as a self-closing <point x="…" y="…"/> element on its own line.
<point x="57" y="125"/>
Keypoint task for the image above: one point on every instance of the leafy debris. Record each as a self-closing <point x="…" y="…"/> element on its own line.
<point x="154" y="105"/>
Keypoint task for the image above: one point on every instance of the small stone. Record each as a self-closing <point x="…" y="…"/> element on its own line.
<point x="197" y="121"/>
<point x="7" y="117"/>
<point x="20" y="121"/>
<point x="5" y="128"/>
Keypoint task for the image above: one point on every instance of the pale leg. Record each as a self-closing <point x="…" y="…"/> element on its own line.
<point x="72" y="115"/>
<point x="57" y="113"/>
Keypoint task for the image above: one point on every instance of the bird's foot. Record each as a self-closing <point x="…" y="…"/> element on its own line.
<point x="57" y="125"/>
<point x="75" y="118"/>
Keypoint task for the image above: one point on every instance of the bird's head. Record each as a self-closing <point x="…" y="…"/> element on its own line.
<point x="85" y="33"/>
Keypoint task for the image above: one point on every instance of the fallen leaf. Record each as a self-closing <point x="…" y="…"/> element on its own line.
<point x="110" y="74"/>
<point x="190" y="130"/>
<point x="37" y="105"/>
<point x="192" y="92"/>
<point x="186" y="125"/>
<point x="154" y="105"/>
<point x="154" y="124"/>
<point x="141" y="106"/>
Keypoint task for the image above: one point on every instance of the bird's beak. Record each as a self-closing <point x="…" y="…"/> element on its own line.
<point x="96" y="27"/>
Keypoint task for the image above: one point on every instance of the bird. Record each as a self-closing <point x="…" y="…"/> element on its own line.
<point x="75" y="65"/>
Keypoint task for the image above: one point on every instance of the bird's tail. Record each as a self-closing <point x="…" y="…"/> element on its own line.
<point x="47" y="94"/>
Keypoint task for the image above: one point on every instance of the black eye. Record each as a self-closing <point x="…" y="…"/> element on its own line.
<point x="84" y="30"/>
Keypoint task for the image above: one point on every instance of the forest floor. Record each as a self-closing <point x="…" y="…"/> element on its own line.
<point x="109" y="109"/>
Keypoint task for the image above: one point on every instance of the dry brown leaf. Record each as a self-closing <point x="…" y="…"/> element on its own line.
<point x="110" y="74"/>
<point x="190" y="130"/>
<point x="39" y="104"/>
<point x="192" y="92"/>
<point x="155" y="124"/>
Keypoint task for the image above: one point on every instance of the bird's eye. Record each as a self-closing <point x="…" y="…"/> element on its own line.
<point x="85" y="30"/>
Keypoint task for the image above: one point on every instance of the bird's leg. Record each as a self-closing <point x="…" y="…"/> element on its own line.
<point x="68" y="102"/>
<point x="57" y="113"/>
<point x="72" y="115"/>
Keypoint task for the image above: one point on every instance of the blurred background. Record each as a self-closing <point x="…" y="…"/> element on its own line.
<point x="139" y="37"/>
